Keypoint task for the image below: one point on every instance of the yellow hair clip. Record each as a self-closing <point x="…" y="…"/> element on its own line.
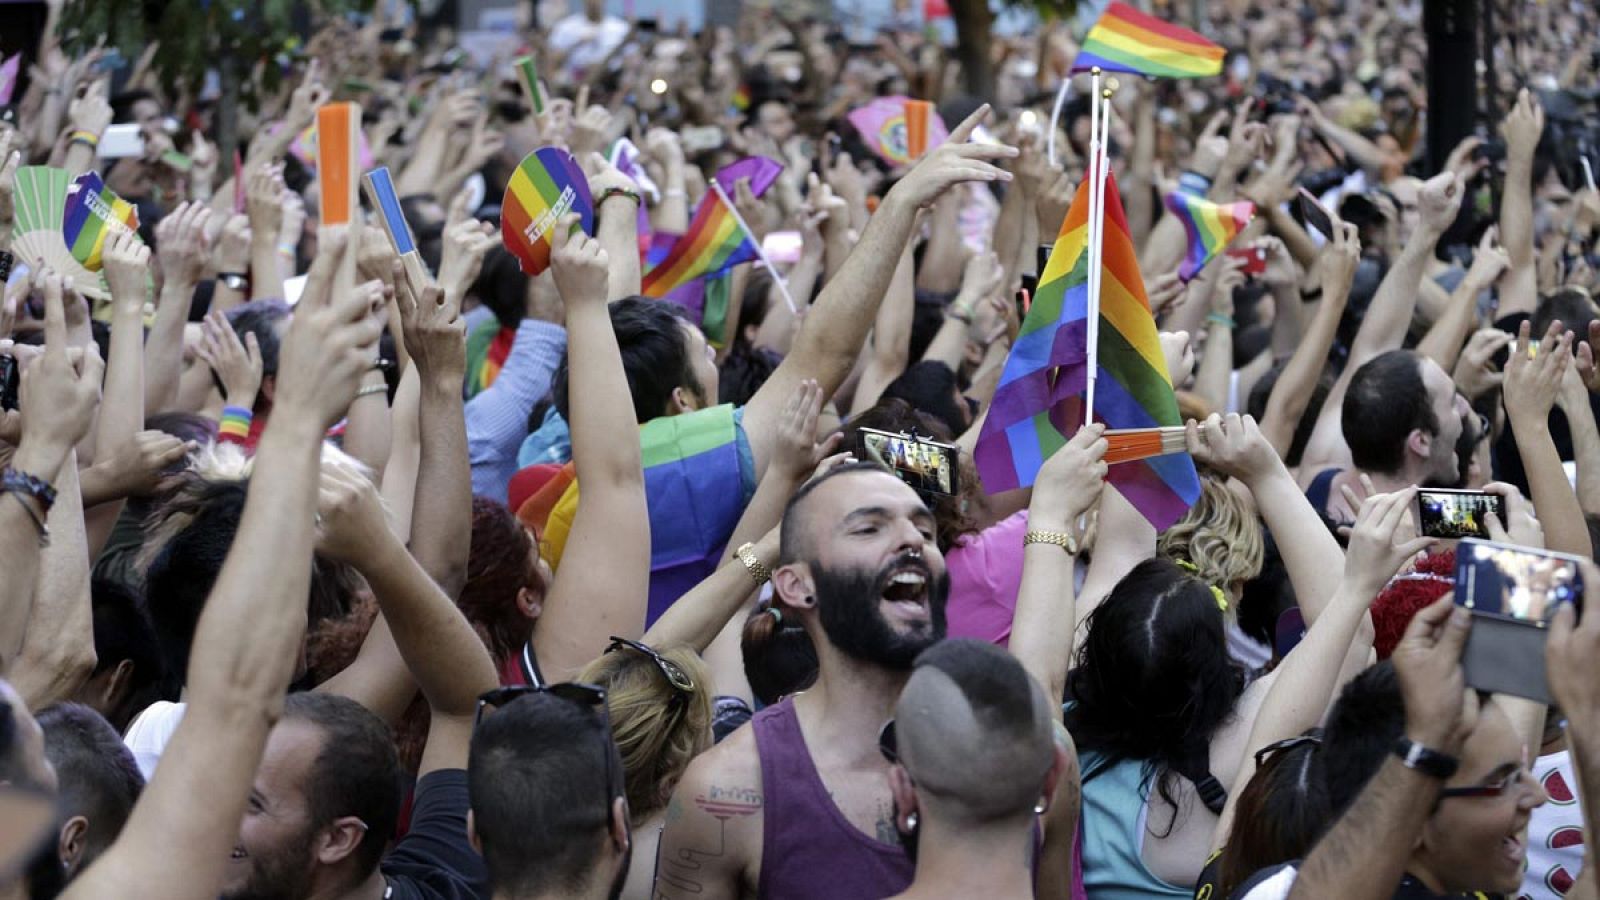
<point x="1216" y="592"/>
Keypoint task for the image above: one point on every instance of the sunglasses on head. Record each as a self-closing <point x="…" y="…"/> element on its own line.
<point x="671" y="671"/>
<point x="1273" y="749"/>
<point x="588" y="696"/>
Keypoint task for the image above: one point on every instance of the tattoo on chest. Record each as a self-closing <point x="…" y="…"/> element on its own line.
<point x="888" y="833"/>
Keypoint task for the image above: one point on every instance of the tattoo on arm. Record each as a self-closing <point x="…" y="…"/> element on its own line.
<point x="683" y="870"/>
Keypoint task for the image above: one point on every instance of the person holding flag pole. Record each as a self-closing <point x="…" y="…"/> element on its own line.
<point x="777" y="277"/>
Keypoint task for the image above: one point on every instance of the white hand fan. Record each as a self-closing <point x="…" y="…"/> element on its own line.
<point x="41" y="200"/>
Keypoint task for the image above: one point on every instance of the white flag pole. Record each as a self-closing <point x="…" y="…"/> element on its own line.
<point x="1097" y="207"/>
<point x="1055" y="119"/>
<point x="777" y="277"/>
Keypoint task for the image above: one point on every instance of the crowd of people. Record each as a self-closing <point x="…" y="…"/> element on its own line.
<point x="300" y="598"/>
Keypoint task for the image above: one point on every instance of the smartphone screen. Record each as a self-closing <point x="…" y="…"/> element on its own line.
<point x="1515" y="583"/>
<point x="1457" y="514"/>
<point x="925" y="465"/>
<point x="1312" y="212"/>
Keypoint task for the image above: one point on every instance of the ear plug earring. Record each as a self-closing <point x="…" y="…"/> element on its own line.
<point x="911" y="821"/>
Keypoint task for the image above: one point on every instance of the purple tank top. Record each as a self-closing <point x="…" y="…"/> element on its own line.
<point x="808" y="848"/>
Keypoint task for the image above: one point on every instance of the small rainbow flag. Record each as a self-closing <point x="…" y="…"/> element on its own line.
<point x="1210" y="227"/>
<point x="1127" y="40"/>
<point x="741" y="97"/>
<point x="488" y="347"/>
<point x="1037" y="404"/>
<point x="92" y="213"/>
<point x="714" y="241"/>
<point x="546" y="185"/>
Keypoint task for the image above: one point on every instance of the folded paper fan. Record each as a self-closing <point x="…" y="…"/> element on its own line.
<point x="1129" y="444"/>
<point x="41" y="201"/>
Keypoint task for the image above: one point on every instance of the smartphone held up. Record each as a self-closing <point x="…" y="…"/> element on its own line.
<point x="1512" y="593"/>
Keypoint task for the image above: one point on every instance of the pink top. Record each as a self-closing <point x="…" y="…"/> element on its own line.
<point x="985" y="575"/>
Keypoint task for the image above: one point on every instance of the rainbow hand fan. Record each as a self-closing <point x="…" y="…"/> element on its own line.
<point x="41" y="202"/>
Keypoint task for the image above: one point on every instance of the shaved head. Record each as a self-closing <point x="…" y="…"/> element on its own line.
<point x="974" y="731"/>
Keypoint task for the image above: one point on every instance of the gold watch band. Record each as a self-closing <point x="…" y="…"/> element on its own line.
<point x="758" y="570"/>
<point x="1060" y="539"/>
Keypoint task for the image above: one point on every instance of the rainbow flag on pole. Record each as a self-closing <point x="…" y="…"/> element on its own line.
<point x="1039" y="404"/>
<point x="1127" y="40"/>
<point x="93" y="213"/>
<point x="714" y="241"/>
<point x="1210" y="226"/>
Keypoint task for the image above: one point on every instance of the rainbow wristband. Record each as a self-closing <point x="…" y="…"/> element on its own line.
<point x="84" y="137"/>
<point x="235" y="424"/>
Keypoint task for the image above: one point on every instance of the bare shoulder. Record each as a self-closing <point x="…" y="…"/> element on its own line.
<point x="711" y="843"/>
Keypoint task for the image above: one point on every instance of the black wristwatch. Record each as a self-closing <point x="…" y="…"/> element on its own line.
<point x="235" y="281"/>
<point x="1428" y="762"/>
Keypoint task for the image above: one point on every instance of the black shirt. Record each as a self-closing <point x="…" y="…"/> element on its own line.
<point x="435" y="860"/>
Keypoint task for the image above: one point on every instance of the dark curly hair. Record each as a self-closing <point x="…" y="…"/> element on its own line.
<point x="952" y="515"/>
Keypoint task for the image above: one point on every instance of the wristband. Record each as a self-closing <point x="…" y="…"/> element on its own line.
<point x="84" y="137"/>
<point x="1192" y="182"/>
<point x="235" y="424"/>
<point x="6" y="261"/>
<point x="1429" y="762"/>
<point x="15" y="481"/>
<point x="1220" y="319"/>
<point x="371" y="389"/>
<point x="758" y="570"/>
<point x="610" y="192"/>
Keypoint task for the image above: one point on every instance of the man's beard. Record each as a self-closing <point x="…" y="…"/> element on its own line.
<point x="848" y="607"/>
<point x="284" y="874"/>
<point x="45" y="875"/>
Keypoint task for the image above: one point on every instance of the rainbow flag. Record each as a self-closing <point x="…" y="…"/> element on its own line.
<point x="1038" y="403"/>
<point x="1127" y="40"/>
<point x="92" y="213"/>
<point x="714" y="241"/>
<point x="488" y="347"/>
<point x="1210" y="227"/>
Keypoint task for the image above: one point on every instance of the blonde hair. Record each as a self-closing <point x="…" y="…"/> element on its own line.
<point x="1220" y="535"/>
<point x="656" y="737"/>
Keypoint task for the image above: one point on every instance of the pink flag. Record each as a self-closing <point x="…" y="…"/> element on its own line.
<point x="882" y="124"/>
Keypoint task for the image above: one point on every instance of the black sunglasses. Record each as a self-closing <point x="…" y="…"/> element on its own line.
<point x="671" y="671"/>
<point x="1499" y="785"/>
<point x="1270" y="750"/>
<point x="588" y="696"/>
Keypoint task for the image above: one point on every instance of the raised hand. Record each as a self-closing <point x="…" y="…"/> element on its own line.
<point x="1383" y="538"/>
<point x="1051" y="203"/>
<point x="590" y="131"/>
<point x="126" y="263"/>
<point x="10" y="158"/>
<point x="1233" y="445"/>
<point x="90" y="112"/>
<point x="232" y="252"/>
<point x="1475" y="374"/>
<point x="465" y="244"/>
<point x="952" y="163"/>
<point x="1490" y="260"/>
<point x="1440" y="711"/>
<point x="1341" y="256"/>
<point x="60" y="390"/>
<point x="797" y="452"/>
<point x="577" y="263"/>
<point x="435" y="334"/>
<point x="264" y="190"/>
<point x="1281" y="270"/>
<point x="310" y="94"/>
<point x="182" y="248"/>
<point x="1572" y="661"/>
<point x="1521" y="526"/>
<point x="1164" y="291"/>
<point x="332" y="341"/>
<point x="236" y="364"/>
<point x="1523" y="125"/>
<point x="1439" y="200"/>
<point x="1533" y="379"/>
<point x="136" y="468"/>
<point x="350" y="518"/>
<point x="1070" y="482"/>
<point x="1587" y="366"/>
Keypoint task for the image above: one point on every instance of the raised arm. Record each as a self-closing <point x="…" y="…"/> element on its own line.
<point x="57" y="398"/>
<point x="181" y="252"/>
<point x="891" y="334"/>
<point x="1530" y="389"/>
<point x="58" y="655"/>
<point x="1364" y="855"/>
<point x="1449" y="333"/>
<point x="1292" y="394"/>
<point x="126" y="262"/>
<point x="441" y="519"/>
<point x="616" y="212"/>
<point x="1381" y="541"/>
<point x="1521" y="130"/>
<point x="1069" y="485"/>
<point x="1572" y="657"/>
<point x="830" y="340"/>
<point x="1234" y="446"/>
<point x="172" y="846"/>
<point x="604" y="578"/>
<point x="1384" y="326"/>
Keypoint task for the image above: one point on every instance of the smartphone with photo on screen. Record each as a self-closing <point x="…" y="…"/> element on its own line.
<point x="1454" y="514"/>
<point x="926" y="465"/>
<point x="1512" y="593"/>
